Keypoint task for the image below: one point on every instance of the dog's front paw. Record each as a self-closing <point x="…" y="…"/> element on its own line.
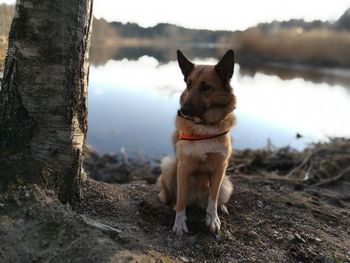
<point x="180" y="227"/>
<point x="213" y="222"/>
<point x="212" y="219"/>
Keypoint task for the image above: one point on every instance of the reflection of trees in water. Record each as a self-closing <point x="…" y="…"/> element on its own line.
<point x="99" y="55"/>
<point x="164" y="54"/>
<point x="287" y="72"/>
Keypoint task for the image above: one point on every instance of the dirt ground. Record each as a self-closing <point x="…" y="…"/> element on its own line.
<point x="269" y="221"/>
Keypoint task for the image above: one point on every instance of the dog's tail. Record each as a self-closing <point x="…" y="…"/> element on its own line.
<point x="168" y="164"/>
<point x="167" y="179"/>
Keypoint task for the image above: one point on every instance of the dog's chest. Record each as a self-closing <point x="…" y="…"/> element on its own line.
<point x="201" y="149"/>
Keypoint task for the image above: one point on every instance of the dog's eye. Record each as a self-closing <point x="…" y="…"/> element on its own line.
<point x="205" y="87"/>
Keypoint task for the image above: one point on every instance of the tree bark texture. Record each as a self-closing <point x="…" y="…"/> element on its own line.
<point x="43" y="99"/>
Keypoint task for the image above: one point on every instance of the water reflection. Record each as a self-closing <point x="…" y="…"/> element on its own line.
<point x="164" y="54"/>
<point x="132" y="103"/>
<point x="331" y="76"/>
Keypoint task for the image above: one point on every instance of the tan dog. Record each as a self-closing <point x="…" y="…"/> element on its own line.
<point x="202" y="143"/>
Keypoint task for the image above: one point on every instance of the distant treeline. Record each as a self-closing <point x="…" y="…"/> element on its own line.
<point x="342" y="24"/>
<point x="160" y="31"/>
<point x="296" y="41"/>
<point x="319" y="43"/>
<point x="170" y="31"/>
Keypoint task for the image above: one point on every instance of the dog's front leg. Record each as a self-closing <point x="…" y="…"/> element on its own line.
<point x="212" y="219"/>
<point x="183" y="172"/>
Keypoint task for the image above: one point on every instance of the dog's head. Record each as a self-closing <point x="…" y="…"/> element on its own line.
<point x="208" y="95"/>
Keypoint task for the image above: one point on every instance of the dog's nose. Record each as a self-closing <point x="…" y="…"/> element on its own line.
<point x="185" y="109"/>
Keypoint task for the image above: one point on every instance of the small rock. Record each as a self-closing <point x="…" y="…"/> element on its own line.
<point x="319" y="257"/>
<point x="328" y="259"/>
<point x="20" y="222"/>
<point x="276" y="187"/>
<point x="111" y="231"/>
<point x="267" y="188"/>
<point x="184" y="259"/>
<point x="279" y="238"/>
<point x="259" y="203"/>
<point x="229" y="235"/>
<point x="27" y="195"/>
<point x="299" y="237"/>
<point x="276" y="216"/>
<point x="50" y="192"/>
<point x="290" y="237"/>
<point x="44" y="244"/>
<point x="252" y="233"/>
<point x="19" y="203"/>
<point x="267" y="207"/>
<point x="2" y="205"/>
<point x="318" y="239"/>
<point x="192" y="240"/>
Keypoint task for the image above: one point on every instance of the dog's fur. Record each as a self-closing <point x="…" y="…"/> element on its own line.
<point x="196" y="176"/>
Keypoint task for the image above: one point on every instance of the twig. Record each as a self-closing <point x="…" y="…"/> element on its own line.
<point x="307" y="158"/>
<point x="333" y="179"/>
<point x="237" y="167"/>
<point x="301" y="165"/>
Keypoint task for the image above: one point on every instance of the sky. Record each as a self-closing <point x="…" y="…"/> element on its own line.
<point x="218" y="14"/>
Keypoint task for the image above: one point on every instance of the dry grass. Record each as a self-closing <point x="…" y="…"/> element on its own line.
<point x="316" y="47"/>
<point x="320" y="164"/>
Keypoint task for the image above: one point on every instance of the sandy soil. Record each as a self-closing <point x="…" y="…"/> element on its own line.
<point x="269" y="221"/>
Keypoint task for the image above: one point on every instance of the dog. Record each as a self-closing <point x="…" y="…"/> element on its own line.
<point x="196" y="176"/>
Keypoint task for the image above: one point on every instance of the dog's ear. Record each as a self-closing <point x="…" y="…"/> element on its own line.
<point x="185" y="65"/>
<point x="225" y="66"/>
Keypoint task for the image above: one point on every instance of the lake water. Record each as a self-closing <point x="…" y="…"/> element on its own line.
<point x="133" y="104"/>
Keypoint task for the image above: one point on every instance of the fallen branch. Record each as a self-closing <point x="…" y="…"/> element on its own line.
<point x="333" y="179"/>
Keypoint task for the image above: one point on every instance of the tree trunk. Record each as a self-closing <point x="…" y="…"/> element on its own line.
<point x="43" y="100"/>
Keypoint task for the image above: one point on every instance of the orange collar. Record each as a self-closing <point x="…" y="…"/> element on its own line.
<point x="193" y="137"/>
